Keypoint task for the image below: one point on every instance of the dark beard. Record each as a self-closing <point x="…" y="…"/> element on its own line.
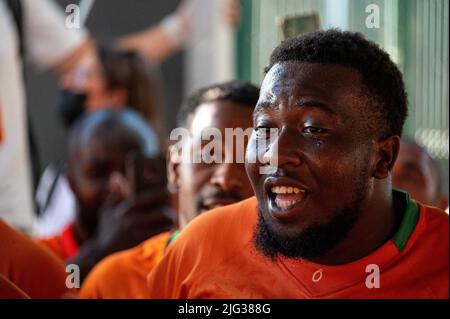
<point x="314" y="241"/>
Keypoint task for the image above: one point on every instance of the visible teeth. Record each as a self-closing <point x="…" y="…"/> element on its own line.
<point x="286" y="190"/>
<point x="285" y="203"/>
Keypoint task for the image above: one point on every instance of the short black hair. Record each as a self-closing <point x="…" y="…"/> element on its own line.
<point x="122" y="125"/>
<point x="243" y="93"/>
<point x="380" y="75"/>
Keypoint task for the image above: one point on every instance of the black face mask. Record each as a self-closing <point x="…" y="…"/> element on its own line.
<point x="70" y="106"/>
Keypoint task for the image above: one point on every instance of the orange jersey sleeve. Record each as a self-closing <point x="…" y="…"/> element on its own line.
<point x="215" y="257"/>
<point x="10" y="291"/>
<point x="54" y="245"/>
<point x="32" y="268"/>
<point x="124" y="274"/>
<point x="199" y="248"/>
<point x="62" y="245"/>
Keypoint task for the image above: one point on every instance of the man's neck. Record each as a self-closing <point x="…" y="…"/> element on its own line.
<point x="378" y="222"/>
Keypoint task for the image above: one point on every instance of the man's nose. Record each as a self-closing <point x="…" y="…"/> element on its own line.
<point x="285" y="150"/>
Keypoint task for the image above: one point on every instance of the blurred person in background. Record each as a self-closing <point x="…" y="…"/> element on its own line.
<point x="197" y="187"/>
<point x="111" y="78"/>
<point x="36" y="29"/>
<point x="121" y="74"/>
<point x="108" y="218"/>
<point x="416" y="172"/>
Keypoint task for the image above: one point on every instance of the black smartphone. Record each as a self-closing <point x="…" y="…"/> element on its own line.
<point x="145" y="173"/>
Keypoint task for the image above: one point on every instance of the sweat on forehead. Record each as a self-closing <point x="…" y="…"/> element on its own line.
<point x="116" y="127"/>
<point x="332" y="88"/>
<point x="380" y="75"/>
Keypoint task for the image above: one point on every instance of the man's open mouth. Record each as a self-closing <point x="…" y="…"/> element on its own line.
<point x="283" y="195"/>
<point x="286" y="196"/>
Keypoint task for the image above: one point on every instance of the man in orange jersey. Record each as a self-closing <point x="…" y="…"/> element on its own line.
<point x="325" y="222"/>
<point x="106" y="221"/>
<point x="199" y="187"/>
<point x="416" y="172"/>
<point x="29" y="267"/>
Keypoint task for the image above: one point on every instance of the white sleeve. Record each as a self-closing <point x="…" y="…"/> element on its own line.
<point x="47" y="40"/>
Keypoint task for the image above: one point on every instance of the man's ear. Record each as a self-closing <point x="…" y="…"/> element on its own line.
<point x="387" y="152"/>
<point x="173" y="162"/>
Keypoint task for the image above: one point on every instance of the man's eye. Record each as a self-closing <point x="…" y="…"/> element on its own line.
<point x="313" y="130"/>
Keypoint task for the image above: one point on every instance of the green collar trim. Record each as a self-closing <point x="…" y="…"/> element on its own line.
<point x="409" y="221"/>
<point x="172" y="237"/>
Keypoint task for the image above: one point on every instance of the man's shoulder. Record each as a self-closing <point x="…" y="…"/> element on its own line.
<point x="13" y="241"/>
<point x="234" y="213"/>
<point x="429" y="241"/>
<point x="434" y="221"/>
<point x="230" y="221"/>
<point x="431" y="228"/>
<point x="428" y="251"/>
<point x="54" y="243"/>
<point x="8" y="290"/>
<point x="206" y="242"/>
<point x="10" y="240"/>
<point x="121" y="261"/>
<point x="20" y="251"/>
<point x="218" y="231"/>
<point x="7" y="233"/>
<point x="123" y="267"/>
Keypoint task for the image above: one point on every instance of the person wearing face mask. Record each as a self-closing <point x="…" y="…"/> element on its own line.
<point x="110" y="79"/>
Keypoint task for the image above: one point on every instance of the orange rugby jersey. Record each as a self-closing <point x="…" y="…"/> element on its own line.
<point x="62" y="245"/>
<point x="214" y="257"/>
<point x="30" y="267"/>
<point x="10" y="291"/>
<point x="124" y="274"/>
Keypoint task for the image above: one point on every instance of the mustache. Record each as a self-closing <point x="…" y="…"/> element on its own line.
<point x="212" y="196"/>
